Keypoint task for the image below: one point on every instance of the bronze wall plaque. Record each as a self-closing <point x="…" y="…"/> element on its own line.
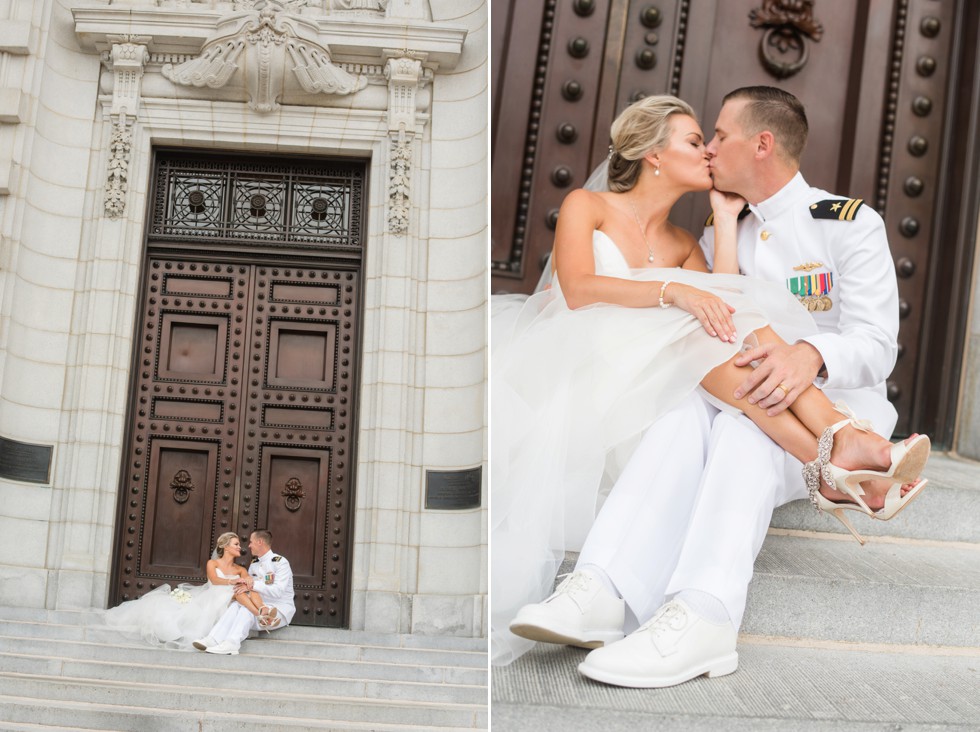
<point x="24" y="461"/>
<point x="453" y="490"/>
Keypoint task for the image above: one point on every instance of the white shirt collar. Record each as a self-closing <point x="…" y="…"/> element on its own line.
<point x="267" y="555"/>
<point x="782" y="200"/>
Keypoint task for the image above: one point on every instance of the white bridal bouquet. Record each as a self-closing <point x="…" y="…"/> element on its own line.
<point x="181" y="596"/>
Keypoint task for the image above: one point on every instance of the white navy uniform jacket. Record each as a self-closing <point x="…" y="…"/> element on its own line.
<point x="280" y="592"/>
<point x="832" y="253"/>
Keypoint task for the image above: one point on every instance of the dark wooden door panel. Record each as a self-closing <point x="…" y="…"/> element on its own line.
<point x="182" y="488"/>
<point x="293" y="495"/>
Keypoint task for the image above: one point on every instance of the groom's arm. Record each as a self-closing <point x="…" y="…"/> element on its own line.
<point x="862" y="349"/>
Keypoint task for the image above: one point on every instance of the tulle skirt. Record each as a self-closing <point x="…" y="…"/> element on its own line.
<point x="160" y="619"/>
<point x="571" y="393"/>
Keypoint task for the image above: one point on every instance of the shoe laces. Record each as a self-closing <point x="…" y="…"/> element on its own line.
<point x="670" y="617"/>
<point x="572" y="582"/>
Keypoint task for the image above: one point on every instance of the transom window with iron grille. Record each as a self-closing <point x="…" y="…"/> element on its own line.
<point x="282" y="202"/>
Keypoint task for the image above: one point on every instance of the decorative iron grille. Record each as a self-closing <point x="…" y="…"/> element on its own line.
<point x="280" y="203"/>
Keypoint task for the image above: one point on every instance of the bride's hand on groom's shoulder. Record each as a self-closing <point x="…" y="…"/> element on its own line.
<point x="714" y="314"/>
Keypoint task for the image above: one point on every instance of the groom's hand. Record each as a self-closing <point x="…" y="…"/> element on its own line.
<point x="784" y="372"/>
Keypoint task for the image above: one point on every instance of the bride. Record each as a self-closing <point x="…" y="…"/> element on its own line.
<point x="631" y="324"/>
<point x="173" y="618"/>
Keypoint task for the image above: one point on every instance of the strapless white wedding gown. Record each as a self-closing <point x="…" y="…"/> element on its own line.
<point x="160" y="619"/>
<point x="571" y="393"/>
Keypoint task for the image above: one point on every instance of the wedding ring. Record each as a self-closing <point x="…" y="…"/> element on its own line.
<point x="783" y="387"/>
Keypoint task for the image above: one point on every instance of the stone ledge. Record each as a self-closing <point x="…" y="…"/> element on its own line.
<point x="350" y="39"/>
<point x="13" y="106"/>
<point x="15" y="36"/>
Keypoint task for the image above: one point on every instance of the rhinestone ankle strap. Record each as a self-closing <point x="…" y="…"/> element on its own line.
<point x="813" y="469"/>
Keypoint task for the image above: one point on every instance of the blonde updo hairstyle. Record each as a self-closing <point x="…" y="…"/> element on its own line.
<point x="642" y="128"/>
<point x="223" y="541"/>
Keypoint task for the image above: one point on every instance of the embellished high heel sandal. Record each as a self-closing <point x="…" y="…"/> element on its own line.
<point x="269" y="618"/>
<point x="907" y="461"/>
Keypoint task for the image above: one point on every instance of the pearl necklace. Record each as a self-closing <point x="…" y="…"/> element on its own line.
<point x="640" y="226"/>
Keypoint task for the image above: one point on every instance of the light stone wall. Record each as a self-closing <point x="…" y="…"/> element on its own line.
<point x="69" y="279"/>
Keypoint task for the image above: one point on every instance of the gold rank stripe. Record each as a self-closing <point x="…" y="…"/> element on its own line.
<point x="847" y="212"/>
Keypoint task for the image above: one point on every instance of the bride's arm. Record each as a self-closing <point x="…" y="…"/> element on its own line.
<point x="726" y="208"/>
<point x="581" y="213"/>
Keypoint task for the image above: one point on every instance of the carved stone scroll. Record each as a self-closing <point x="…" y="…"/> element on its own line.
<point x="788" y="24"/>
<point x="127" y="59"/>
<point x="259" y="49"/>
<point x="405" y="77"/>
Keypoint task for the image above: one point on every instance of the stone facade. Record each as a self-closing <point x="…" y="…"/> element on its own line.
<point x="86" y="91"/>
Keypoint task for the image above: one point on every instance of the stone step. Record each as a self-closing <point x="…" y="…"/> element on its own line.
<point x="221" y="700"/>
<point x="173" y="673"/>
<point x="779" y="686"/>
<point x="382" y="668"/>
<point x="888" y="591"/>
<point x="946" y="510"/>
<point x="64" y="670"/>
<point x="78" y="620"/>
<point x="825" y="586"/>
<point x="277" y="644"/>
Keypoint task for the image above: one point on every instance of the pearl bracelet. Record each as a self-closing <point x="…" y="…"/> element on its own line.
<point x="663" y="288"/>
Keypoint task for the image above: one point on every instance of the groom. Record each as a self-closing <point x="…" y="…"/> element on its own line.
<point x="271" y="577"/>
<point x="674" y="545"/>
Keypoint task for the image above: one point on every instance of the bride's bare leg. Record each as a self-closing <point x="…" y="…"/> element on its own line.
<point x="247" y="600"/>
<point x="852" y="448"/>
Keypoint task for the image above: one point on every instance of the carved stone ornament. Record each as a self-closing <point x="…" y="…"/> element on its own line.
<point x="788" y="24"/>
<point x="257" y="49"/>
<point x="127" y="61"/>
<point x="399" y="186"/>
<point x="117" y="176"/>
<point x="181" y="485"/>
<point x="293" y="494"/>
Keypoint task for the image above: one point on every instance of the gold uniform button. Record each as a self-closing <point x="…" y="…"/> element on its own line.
<point x="765" y="235"/>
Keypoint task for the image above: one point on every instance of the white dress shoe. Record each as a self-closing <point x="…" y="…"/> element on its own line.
<point x="675" y="645"/>
<point x="204" y="643"/>
<point x="224" y="648"/>
<point x="581" y="612"/>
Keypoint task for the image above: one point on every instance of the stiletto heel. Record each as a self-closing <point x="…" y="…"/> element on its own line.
<point x="269" y="620"/>
<point x="907" y="461"/>
<point x="837" y="511"/>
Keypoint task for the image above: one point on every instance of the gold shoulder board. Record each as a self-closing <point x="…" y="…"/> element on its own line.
<point x="841" y="209"/>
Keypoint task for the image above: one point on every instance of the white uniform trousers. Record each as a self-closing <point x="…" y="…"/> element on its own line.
<point x="234" y="625"/>
<point x="745" y="477"/>
<point x="639" y="533"/>
<point x="693" y="505"/>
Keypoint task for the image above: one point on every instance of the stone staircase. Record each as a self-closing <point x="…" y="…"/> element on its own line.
<point x="836" y="636"/>
<point x="62" y="670"/>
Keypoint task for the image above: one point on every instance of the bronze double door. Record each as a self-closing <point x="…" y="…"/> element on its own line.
<point x="242" y="418"/>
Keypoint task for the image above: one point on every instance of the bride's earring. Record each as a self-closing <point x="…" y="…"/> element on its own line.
<point x="656" y="171"/>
